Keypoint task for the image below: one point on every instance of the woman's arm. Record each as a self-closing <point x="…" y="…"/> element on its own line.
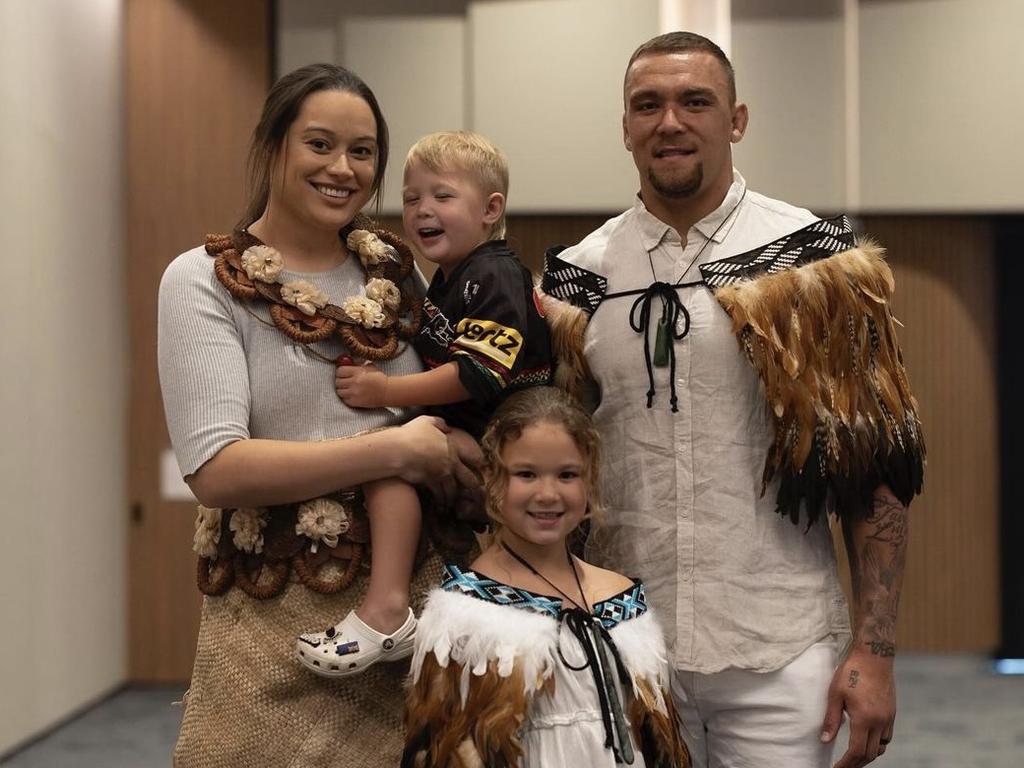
<point x="205" y="384"/>
<point x="254" y="472"/>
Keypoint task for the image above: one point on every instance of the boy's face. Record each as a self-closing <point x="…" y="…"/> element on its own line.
<point x="446" y="215"/>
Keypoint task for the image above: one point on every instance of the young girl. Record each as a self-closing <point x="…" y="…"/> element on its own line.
<point x="534" y="657"/>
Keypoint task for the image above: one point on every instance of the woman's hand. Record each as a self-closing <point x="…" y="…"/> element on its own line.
<point x="439" y="457"/>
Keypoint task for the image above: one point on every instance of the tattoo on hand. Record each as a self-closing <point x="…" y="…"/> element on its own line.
<point x="854" y="678"/>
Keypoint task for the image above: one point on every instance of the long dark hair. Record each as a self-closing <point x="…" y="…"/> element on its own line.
<point x="280" y="109"/>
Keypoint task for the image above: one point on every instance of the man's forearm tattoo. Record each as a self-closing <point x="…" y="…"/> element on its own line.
<point x="890" y="520"/>
<point x="877" y="561"/>
<point x="854" y="678"/>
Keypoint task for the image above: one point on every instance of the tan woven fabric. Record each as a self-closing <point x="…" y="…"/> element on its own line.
<point x="252" y="704"/>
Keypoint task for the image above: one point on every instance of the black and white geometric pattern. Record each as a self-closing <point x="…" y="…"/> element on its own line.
<point x="825" y="237"/>
<point x="579" y="287"/>
<point x="626" y="605"/>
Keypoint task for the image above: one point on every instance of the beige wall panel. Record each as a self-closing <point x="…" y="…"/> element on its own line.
<point x="196" y="77"/>
<point x="547" y="88"/>
<point x="64" y="347"/>
<point x="945" y="294"/>
<point x="311" y="31"/>
<point x="940" y="85"/>
<point x="419" y="80"/>
<point x="789" y="71"/>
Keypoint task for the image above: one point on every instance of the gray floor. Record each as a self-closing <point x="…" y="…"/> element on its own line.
<point x="953" y="713"/>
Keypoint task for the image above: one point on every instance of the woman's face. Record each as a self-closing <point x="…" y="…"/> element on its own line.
<point x="324" y="172"/>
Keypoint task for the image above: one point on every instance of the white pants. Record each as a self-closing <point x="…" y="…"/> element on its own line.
<point x="742" y="719"/>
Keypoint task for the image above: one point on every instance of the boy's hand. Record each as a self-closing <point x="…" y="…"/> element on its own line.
<point x="360" y="386"/>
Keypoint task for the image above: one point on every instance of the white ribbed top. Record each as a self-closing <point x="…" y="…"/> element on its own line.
<point x="226" y="376"/>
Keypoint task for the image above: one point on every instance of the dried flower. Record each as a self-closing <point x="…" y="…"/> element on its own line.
<point x="367" y="312"/>
<point x="371" y="249"/>
<point x="383" y="292"/>
<point x="247" y="525"/>
<point x="207" y="535"/>
<point x="322" y="520"/>
<point x="261" y="262"/>
<point x="304" y="296"/>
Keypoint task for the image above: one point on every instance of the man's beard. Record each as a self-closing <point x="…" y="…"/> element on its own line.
<point x="678" y="188"/>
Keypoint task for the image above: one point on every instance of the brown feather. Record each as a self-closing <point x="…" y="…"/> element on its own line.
<point x="568" y="325"/>
<point x="822" y="339"/>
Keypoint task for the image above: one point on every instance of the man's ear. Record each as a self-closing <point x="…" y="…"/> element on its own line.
<point x="740" y="118"/>
<point x="495" y="207"/>
<point x="625" y="135"/>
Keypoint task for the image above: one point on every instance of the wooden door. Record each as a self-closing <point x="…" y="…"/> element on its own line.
<point x="196" y="75"/>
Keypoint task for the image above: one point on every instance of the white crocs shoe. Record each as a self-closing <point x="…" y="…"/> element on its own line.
<point x="350" y="646"/>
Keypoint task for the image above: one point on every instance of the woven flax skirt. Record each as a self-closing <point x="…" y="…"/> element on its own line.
<point x="252" y="704"/>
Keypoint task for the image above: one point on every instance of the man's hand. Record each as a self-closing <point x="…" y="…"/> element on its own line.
<point x="862" y="686"/>
<point x="361" y="386"/>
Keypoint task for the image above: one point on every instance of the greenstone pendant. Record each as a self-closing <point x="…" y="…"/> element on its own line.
<point x="662" y="340"/>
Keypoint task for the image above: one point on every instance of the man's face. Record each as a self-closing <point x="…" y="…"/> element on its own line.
<point x="679" y="124"/>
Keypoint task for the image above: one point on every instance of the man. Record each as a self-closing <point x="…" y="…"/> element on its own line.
<point x="745" y="364"/>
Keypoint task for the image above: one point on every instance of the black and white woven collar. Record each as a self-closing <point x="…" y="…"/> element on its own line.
<point x="824" y="237"/>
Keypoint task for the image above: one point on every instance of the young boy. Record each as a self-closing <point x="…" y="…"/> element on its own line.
<point x="482" y="337"/>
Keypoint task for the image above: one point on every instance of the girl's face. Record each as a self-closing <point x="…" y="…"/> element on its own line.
<point x="324" y="172"/>
<point x="547" y="493"/>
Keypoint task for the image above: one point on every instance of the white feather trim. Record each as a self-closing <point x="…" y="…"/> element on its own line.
<point x="470" y="632"/>
<point x="641" y="645"/>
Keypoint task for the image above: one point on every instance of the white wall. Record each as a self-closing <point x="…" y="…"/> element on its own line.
<point x="62" y="394"/>
<point x="547" y="89"/>
<point x="942" y="115"/>
<point x="788" y="57"/>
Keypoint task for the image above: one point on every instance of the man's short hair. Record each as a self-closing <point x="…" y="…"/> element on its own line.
<point x="471" y="153"/>
<point x="686" y="42"/>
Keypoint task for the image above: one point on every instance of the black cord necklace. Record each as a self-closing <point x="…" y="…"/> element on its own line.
<point x="671" y="309"/>
<point x="602" y="657"/>
<point x="525" y="563"/>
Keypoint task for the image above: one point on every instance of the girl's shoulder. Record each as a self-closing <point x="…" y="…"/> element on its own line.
<point x="602" y="583"/>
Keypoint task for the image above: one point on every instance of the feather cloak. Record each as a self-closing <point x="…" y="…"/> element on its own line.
<point x="822" y="338"/>
<point x="817" y="326"/>
<point x="479" y="667"/>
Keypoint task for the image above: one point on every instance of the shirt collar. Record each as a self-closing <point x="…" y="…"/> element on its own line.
<point x="653" y="231"/>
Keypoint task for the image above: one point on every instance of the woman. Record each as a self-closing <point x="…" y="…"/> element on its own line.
<point x="250" y="328"/>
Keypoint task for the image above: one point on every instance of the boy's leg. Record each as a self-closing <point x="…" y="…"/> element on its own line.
<point x="394" y="511"/>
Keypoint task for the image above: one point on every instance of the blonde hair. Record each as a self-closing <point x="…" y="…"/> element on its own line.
<point x="527" y="408"/>
<point x="471" y="153"/>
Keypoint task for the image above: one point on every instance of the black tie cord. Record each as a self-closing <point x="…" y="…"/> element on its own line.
<point x="597" y="645"/>
<point x="640" y="321"/>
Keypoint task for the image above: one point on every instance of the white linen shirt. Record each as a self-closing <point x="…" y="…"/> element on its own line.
<point x="735" y="584"/>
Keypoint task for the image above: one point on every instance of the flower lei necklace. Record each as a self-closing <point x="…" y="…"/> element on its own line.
<point x="370" y="325"/>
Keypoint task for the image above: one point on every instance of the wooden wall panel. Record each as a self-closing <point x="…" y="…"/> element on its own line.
<point x="945" y="295"/>
<point x="196" y="74"/>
